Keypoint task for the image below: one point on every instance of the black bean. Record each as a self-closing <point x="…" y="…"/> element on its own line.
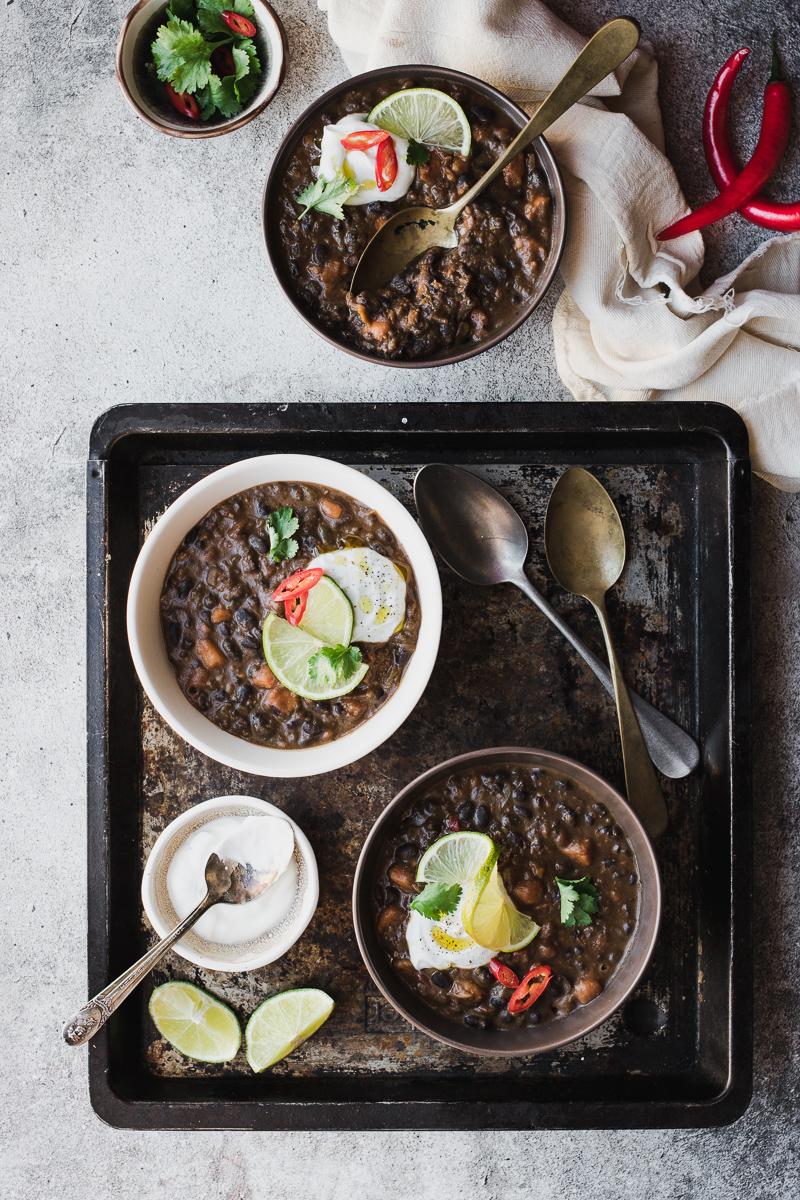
<point x="258" y="544"/>
<point x="184" y="587"/>
<point x="229" y="648"/>
<point x="482" y="113"/>
<point x="633" y="877"/>
<point x="407" y="851"/>
<point x="522" y="811"/>
<point x="172" y="632"/>
<point x="497" y="996"/>
<point x="482" y="817"/>
<point x="474" y="1021"/>
<point x="465" y="812"/>
<point x="261" y="508"/>
<point x="191" y="536"/>
<point x="248" y="643"/>
<point x="244" y="617"/>
<point x="243" y="692"/>
<point x="441" y="979"/>
<point x="321" y="253"/>
<point x="533" y="1017"/>
<point x="218" y="696"/>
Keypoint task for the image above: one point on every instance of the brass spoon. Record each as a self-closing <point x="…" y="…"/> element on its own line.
<point x="227" y="882"/>
<point x="585" y="545"/>
<point x="414" y="230"/>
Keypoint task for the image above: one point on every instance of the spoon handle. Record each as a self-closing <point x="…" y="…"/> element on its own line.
<point x="644" y="794"/>
<point x="601" y="55"/>
<point x="672" y="750"/>
<point x="94" y="1014"/>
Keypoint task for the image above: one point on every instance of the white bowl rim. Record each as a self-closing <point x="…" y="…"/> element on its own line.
<point x="149" y="654"/>
<point x="279" y="947"/>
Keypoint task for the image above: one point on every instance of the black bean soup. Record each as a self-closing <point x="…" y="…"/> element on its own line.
<point x="543" y="827"/>
<point x="448" y="298"/>
<point x="216" y="596"/>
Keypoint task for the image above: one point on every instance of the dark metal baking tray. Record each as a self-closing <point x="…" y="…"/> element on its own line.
<point x="680" y="1053"/>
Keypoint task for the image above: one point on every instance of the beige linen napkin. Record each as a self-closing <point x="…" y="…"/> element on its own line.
<point x="630" y="325"/>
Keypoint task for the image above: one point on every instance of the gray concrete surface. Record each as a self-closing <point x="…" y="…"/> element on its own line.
<point x="131" y="270"/>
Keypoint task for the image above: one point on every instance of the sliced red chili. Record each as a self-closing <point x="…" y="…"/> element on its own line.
<point x="294" y="608"/>
<point x="504" y="974"/>
<point x="365" y="139"/>
<point x="385" y="165"/>
<point x="238" y="23"/>
<point x="222" y="61"/>
<point x="531" y="988"/>
<point x="186" y="105"/>
<point x="299" y="581"/>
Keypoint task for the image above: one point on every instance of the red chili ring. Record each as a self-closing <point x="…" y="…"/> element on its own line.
<point x="503" y="974"/>
<point x="185" y="104"/>
<point x="531" y="988"/>
<point x="238" y="23"/>
<point x="297" y="582"/>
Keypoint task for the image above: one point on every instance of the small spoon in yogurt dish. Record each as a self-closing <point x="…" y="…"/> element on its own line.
<point x="247" y="858"/>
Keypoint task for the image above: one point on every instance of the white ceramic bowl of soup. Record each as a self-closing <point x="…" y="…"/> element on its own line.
<point x="149" y="652"/>
<point x="260" y="949"/>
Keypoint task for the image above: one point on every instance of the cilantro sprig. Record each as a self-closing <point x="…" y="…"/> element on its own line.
<point x="417" y="154"/>
<point x="578" y="900"/>
<point x="340" y="662"/>
<point x="281" y="524"/>
<point x="436" y="900"/>
<point x="184" y="56"/>
<point x="327" y="195"/>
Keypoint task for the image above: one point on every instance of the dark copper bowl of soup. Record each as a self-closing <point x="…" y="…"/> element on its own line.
<point x="451" y="304"/>
<point x="548" y="816"/>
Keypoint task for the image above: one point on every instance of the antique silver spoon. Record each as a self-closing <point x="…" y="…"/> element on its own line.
<point x="414" y="230"/>
<point x="227" y="882"/>
<point x="585" y="545"/>
<point x="483" y="539"/>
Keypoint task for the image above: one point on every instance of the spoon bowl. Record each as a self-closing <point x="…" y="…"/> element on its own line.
<point x="231" y="882"/>
<point x="585" y="541"/>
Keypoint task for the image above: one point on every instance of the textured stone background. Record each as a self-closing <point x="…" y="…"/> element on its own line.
<point x="132" y="270"/>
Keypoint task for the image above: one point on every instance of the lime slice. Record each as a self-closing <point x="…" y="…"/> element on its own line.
<point x="197" y="1024"/>
<point x="462" y="858"/>
<point x="329" y="614"/>
<point x="424" y="115"/>
<point x="491" y="918"/>
<point x="282" y="1023"/>
<point x="288" y="650"/>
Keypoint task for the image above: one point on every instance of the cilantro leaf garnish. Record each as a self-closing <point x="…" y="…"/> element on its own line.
<point x="327" y="196"/>
<point x="208" y="11"/>
<point x="341" y="661"/>
<point x="578" y="900"/>
<point x="182" y="55"/>
<point x="281" y="524"/>
<point x="436" y="900"/>
<point x="417" y="154"/>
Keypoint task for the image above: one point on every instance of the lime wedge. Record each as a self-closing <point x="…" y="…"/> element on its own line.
<point x="195" y="1023"/>
<point x="491" y="918"/>
<point x="282" y="1023"/>
<point x="424" y="115"/>
<point x="329" y="614"/>
<point x="289" y="650"/>
<point x="463" y="858"/>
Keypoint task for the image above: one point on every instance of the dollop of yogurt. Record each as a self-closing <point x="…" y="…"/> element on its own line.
<point x="267" y="843"/>
<point x="360" y="164"/>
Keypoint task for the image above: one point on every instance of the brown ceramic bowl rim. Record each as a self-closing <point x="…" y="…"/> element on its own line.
<point x="540" y="1038"/>
<point x="540" y="145"/>
<point x="205" y="132"/>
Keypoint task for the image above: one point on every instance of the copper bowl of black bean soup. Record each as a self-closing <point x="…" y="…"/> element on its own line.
<point x="549" y="817"/>
<point x="203" y="593"/>
<point x="450" y="304"/>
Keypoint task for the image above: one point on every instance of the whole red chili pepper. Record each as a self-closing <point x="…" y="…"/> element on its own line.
<point x="530" y="989"/>
<point x="772" y="141"/>
<point x="385" y="165"/>
<point x="238" y="23"/>
<point x="186" y="105"/>
<point x="503" y="974"/>
<point x="719" y="155"/>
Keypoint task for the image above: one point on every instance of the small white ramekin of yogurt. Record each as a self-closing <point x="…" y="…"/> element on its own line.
<point x="232" y="937"/>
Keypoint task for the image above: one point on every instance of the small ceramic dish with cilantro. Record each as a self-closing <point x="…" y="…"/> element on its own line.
<point x="200" y="68"/>
<point x="284" y="615"/>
